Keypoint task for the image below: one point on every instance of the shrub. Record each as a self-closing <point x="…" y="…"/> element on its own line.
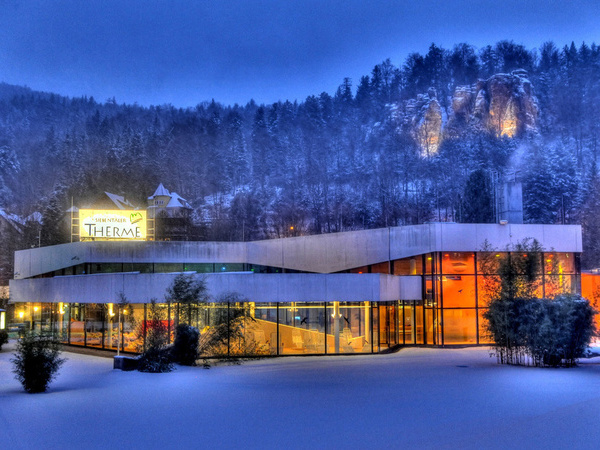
<point x="36" y="362"/>
<point x="156" y="358"/>
<point x="543" y="332"/>
<point x="3" y="338"/>
<point x="185" y="347"/>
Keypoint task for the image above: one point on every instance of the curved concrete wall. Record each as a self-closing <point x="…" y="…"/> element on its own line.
<point x="141" y="288"/>
<point x="326" y="253"/>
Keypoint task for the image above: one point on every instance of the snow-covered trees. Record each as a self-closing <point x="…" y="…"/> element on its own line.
<point x="327" y="163"/>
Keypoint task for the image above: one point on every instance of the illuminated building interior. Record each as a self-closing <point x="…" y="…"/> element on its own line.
<point x="430" y="298"/>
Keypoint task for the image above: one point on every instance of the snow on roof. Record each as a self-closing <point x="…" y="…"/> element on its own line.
<point x="177" y="201"/>
<point x="34" y="217"/>
<point x="160" y="190"/>
<point x="11" y="217"/>
<point x="119" y="201"/>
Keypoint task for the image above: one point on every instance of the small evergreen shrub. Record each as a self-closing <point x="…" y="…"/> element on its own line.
<point x="543" y="332"/>
<point x="3" y="338"/>
<point x="156" y="358"/>
<point x="36" y="362"/>
<point x="185" y="347"/>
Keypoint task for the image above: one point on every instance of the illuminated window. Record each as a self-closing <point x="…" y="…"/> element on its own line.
<point x="460" y="326"/>
<point x="458" y="262"/>
<point x="458" y="291"/>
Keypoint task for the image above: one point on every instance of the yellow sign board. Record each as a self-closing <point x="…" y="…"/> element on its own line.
<point x="108" y="225"/>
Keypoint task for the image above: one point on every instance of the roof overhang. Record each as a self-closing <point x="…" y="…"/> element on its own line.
<point x="325" y="253"/>
<point x="140" y="288"/>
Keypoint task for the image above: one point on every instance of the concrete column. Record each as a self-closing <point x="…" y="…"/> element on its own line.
<point x="336" y="325"/>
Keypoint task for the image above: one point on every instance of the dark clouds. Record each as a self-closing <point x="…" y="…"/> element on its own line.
<point x="182" y="53"/>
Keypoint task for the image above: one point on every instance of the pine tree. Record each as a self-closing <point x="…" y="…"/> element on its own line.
<point x="477" y="201"/>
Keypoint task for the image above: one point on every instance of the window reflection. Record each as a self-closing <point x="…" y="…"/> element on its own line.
<point x="302" y="327"/>
<point x="460" y="326"/>
<point x="353" y="331"/>
<point x="408" y="266"/>
<point x="559" y="263"/>
<point x="458" y="263"/>
<point x="484" y="337"/>
<point x="458" y="291"/>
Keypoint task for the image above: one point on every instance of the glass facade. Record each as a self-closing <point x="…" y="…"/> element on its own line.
<point x="458" y="286"/>
<point x="250" y="328"/>
<point x="456" y="290"/>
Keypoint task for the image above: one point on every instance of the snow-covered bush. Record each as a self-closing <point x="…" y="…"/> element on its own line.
<point x="36" y="362"/>
<point x="155" y="360"/>
<point x="543" y="332"/>
<point x="185" y="347"/>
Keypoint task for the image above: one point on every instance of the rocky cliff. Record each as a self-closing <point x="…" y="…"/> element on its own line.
<point x="504" y="104"/>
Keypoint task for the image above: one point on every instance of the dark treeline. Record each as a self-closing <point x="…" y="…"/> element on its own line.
<point x="332" y="162"/>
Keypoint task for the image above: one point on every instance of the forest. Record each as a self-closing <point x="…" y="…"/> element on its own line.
<point x="347" y="160"/>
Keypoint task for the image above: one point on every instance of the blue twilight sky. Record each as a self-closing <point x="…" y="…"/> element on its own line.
<point x="185" y="52"/>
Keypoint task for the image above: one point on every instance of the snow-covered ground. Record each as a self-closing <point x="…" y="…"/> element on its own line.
<point x="417" y="398"/>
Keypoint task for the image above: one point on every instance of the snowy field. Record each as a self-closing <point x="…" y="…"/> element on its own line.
<point x="417" y="398"/>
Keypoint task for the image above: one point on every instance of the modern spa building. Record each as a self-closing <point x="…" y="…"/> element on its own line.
<point x="350" y="292"/>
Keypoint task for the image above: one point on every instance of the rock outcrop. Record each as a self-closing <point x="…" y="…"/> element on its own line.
<point x="504" y="104"/>
<point x="423" y="119"/>
<point x="508" y="106"/>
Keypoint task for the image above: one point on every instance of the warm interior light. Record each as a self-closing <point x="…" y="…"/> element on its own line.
<point x="35" y="308"/>
<point x="21" y="314"/>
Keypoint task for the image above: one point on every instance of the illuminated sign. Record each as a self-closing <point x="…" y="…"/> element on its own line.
<point x="106" y="225"/>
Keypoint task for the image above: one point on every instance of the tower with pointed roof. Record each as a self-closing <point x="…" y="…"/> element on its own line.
<point x="169" y="215"/>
